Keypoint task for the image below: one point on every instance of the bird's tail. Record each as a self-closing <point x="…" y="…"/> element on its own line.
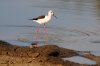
<point x="34" y="19"/>
<point x="30" y="19"/>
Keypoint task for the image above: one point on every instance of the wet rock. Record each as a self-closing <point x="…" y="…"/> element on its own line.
<point x="92" y="57"/>
<point x="54" y="54"/>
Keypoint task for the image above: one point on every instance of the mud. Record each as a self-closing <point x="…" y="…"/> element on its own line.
<point x="48" y="55"/>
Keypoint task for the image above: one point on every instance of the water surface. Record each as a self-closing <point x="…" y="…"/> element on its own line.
<point x="77" y="26"/>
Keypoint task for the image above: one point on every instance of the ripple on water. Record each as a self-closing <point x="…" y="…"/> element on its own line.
<point x="96" y="41"/>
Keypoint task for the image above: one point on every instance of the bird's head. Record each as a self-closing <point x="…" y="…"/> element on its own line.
<point x="51" y="13"/>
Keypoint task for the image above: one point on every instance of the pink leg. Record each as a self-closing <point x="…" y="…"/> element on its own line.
<point x="36" y="34"/>
<point x="45" y="33"/>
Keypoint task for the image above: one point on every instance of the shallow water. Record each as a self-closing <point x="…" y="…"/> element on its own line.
<point x="80" y="60"/>
<point x="77" y="26"/>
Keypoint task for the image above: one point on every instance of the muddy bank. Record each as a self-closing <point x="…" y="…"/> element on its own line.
<point x="48" y="55"/>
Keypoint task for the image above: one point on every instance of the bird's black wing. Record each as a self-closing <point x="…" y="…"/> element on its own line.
<point x="40" y="17"/>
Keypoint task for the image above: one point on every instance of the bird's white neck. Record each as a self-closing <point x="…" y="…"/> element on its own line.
<point x="49" y="15"/>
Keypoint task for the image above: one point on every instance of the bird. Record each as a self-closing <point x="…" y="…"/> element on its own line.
<point x="43" y="19"/>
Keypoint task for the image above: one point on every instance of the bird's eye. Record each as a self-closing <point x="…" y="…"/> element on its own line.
<point x="52" y="12"/>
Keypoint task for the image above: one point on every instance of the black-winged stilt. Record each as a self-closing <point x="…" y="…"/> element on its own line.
<point x="43" y="20"/>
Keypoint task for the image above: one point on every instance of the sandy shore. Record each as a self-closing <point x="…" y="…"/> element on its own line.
<point x="48" y="55"/>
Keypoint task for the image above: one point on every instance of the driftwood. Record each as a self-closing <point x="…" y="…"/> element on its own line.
<point x="48" y="55"/>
